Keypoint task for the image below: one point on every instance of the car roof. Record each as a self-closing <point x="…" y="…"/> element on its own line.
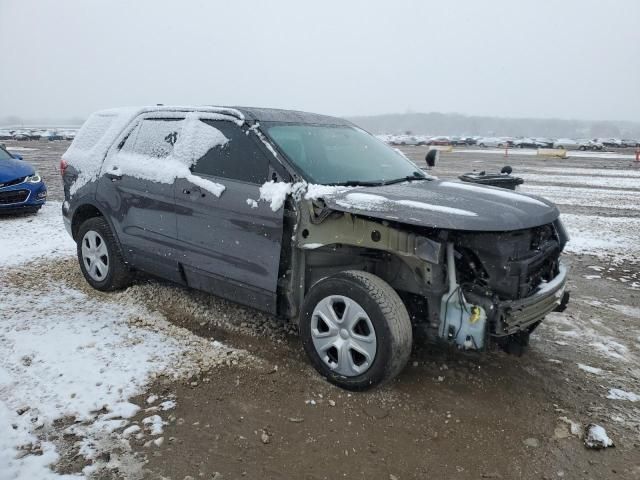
<point x="250" y="114"/>
<point x="289" y="116"/>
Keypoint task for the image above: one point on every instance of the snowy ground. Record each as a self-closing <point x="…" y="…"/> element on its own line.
<point x="69" y="356"/>
<point x="113" y="385"/>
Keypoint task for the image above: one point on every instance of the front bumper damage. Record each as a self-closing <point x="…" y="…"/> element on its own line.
<point x="471" y="320"/>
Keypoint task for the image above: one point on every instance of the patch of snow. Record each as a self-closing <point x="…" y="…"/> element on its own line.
<point x="168" y="405"/>
<point x="363" y="201"/>
<point x="587" y="368"/>
<point x="154" y="424"/>
<point x="315" y="191"/>
<point x="586" y="233"/>
<point x="597" y="437"/>
<point x="610" y="348"/>
<point x="40" y="235"/>
<point x="618" y="394"/>
<point x="436" y="208"/>
<point x="586" y="197"/>
<point x="252" y="203"/>
<point x="275" y="193"/>
<point x="312" y="246"/>
<point x="581" y="180"/>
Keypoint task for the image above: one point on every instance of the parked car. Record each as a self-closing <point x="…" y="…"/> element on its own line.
<point x="566" y="144"/>
<point x="589" y="145"/>
<point x="439" y="141"/>
<point x="544" y="142"/>
<point x="525" y="143"/>
<point x="21" y="136"/>
<point x="6" y="135"/>
<point x="628" y="143"/>
<point x="408" y="140"/>
<point x="21" y="187"/>
<point x="310" y="218"/>
<point x="609" y="142"/>
<point x="491" y="142"/>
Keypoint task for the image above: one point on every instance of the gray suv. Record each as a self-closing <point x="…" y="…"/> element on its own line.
<point x="310" y="218"/>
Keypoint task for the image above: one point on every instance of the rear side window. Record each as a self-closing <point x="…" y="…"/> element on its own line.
<point x="238" y="159"/>
<point x="154" y="137"/>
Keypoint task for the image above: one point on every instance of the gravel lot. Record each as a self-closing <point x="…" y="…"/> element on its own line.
<point x="449" y="415"/>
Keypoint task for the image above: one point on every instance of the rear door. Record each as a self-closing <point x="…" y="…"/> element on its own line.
<point x="231" y="243"/>
<point x="136" y="189"/>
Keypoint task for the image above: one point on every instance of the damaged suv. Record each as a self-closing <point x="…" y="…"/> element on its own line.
<point x="311" y="218"/>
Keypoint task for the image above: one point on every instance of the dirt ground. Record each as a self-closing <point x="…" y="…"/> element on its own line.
<point x="448" y="415"/>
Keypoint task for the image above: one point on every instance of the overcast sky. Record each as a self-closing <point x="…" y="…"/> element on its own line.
<point x="569" y="59"/>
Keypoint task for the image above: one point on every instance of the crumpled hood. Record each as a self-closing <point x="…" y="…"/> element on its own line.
<point x="13" y="168"/>
<point x="447" y="205"/>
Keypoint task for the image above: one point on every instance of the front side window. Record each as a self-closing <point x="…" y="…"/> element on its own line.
<point x="239" y="158"/>
<point x="154" y="137"/>
<point x="338" y="154"/>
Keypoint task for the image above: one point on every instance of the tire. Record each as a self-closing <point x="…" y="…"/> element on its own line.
<point x="582" y="148"/>
<point x="111" y="271"/>
<point x="383" y="321"/>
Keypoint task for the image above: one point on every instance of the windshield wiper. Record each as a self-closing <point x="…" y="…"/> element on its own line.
<point x="408" y="178"/>
<point x="359" y="183"/>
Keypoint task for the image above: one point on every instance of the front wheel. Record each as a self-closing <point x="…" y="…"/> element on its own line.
<point x="355" y="330"/>
<point x="100" y="258"/>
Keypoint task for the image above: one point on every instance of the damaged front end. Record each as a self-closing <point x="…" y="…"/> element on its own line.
<point x="469" y="288"/>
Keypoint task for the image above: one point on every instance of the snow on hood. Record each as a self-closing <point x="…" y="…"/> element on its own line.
<point x="443" y="204"/>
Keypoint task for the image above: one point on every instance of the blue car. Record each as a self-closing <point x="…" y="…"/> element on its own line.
<point x="21" y="187"/>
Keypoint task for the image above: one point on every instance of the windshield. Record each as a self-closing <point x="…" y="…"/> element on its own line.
<point x="4" y="155"/>
<point x="341" y="155"/>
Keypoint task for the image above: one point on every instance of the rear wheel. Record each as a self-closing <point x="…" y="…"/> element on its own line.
<point x="100" y="258"/>
<point x="356" y="330"/>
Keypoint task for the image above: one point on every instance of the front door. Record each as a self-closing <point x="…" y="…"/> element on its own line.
<point x="231" y="242"/>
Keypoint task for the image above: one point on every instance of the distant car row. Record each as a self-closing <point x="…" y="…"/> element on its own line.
<point x="25" y="135"/>
<point x="502" y="142"/>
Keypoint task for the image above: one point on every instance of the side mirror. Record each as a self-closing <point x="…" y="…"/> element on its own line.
<point x="432" y="157"/>
<point x="15" y="155"/>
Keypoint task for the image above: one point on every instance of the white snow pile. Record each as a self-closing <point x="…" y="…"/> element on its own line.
<point x="618" y="394"/>
<point x="587" y="368"/>
<point x="364" y="201"/>
<point x="195" y="139"/>
<point x="436" y="208"/>
<point x="597" y="437"/>
<point x="105" y="128"/>
<point x="67" y="355"/>
<point x="28" y="238"/>
<point x="276" y="192"/>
